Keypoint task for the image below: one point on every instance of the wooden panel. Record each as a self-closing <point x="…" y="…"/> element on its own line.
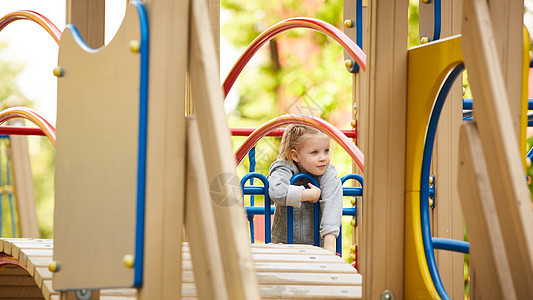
<point x="495" y="123"/>
<point x="489" y="272"/>
<point x="225" y="191"/>
<point x="89" y="17"/>
<point x="381" y="256"/>
<point x="447" y="217"/>
<point x="96" y="160"/>
<point x="169" y="33"/>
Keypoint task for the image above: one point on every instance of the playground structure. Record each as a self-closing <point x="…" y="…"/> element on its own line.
<point x="160" y="163"/>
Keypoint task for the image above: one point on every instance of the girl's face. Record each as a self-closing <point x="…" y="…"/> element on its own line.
<point x="313" y="154"/>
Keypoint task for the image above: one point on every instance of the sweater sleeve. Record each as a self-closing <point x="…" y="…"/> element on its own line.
<point x="330" y="203"/>
<point x="280" y="190"/>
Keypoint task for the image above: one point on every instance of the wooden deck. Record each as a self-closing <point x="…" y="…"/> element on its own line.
<point x="283" y="271"/>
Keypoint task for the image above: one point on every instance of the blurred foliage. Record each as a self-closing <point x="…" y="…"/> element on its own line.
<point x="41" y="157"/>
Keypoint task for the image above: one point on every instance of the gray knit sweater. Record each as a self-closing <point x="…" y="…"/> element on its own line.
<point x="283" y="194"/>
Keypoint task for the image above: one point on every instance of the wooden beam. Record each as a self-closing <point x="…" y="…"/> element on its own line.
<point x="495" y="123"/>
<point x="489" y="272"/>
<point x="226" y="195"/>
<point x="89" y="18"/>
<point x="169" y="31"/>
<point x="384" y="132"/>
<point x="199" y="225"/>
<point x="507" y="20"/>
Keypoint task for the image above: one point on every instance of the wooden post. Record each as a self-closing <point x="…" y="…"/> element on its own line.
<point x="447" y="217"/>
<point x="224" y="186"/>
<point x="22" y="178"/>
<point x="199" y="223"/>
<point x="169" y="31"/>
<point x="489" y="270"/>
<point x="384" y="131"/>
<point x="89" y="18"/>
<point x="495" y="123"/>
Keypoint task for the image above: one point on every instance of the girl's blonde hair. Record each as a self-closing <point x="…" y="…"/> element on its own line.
<point x="292" y="138"/>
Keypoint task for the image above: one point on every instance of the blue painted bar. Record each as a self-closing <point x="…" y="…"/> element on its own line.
<point x="263" y="190"/>
<point x="450" y="245"/>
<point x="254" y="190"/>
<point x="437" y="15"/>
<point x="352" y="191"/>
<point x="316" y="207"/>
<point x="256" y="210"/>
<point x="252" y="210"/>
<point x="338" y="242"/>
<point x="424" y="179"/>
<point x="468" y="104"/>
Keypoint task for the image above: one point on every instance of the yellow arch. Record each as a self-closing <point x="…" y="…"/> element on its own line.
<point x="429" y="65"/>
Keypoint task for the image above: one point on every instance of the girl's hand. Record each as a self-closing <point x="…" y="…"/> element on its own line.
<point x="329" y="242"/>
<point x="312" y="194"/>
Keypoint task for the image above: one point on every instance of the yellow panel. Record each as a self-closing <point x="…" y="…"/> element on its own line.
<point x="525" y="100"/>
<point x="429" y="64"/>
<point x="96" y="160"/>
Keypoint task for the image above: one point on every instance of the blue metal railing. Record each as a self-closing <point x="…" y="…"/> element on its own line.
<point x="263" y="190"/>
<point x="427" y="240"/>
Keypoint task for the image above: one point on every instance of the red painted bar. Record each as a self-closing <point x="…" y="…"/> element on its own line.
<point x="14" y="130"/>
<point x="350" y="133"/>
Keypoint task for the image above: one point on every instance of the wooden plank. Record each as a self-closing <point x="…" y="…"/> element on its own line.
<point x="118" y="292"/>
<point x="166" y="151"/>
<point x="89" y="17"/>
<point x="241" y="282"/>
<point x="304" y="268"/>
<point x="294" y="267"/>
<point x="18" y="280"/>
<point x="18" y="246"/>
<point x="48" y="291"/>
<point x="296" y="292"/>
<point x="490" y="277"/>
<point x="495" y="121"/>
<point x="42" y="274"/>
<point x="37" y="262"/>
<point x="384" y="110"/>
<point x="296" y="278"/>
<point x="14" y="292"/>
<point x="297" y="258"/>
<point x="13" y="270"/>
<point x="199" y="218"/>
<point x="308" y="279"/>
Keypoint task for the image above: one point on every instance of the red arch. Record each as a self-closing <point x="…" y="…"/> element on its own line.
<point x="317" y="123"/>
<point x="315" y="24"/>
<point x="31" y="115"/>
<point x="32" y="16"/>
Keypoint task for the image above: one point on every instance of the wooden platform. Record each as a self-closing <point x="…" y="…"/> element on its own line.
<point x="283" y="271"/>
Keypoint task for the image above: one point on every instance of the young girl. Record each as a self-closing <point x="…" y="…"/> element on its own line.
<point x="305" y="149"/>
